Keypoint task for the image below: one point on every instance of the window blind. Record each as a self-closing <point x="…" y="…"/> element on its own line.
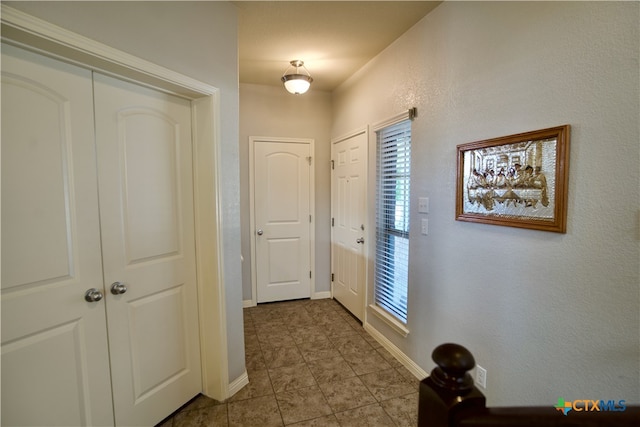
<point x="392" y="219"/>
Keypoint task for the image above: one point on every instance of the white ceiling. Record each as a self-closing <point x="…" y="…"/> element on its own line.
<point x="333" y="38"/>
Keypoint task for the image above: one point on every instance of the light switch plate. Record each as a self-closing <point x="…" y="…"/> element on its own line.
<point x="425" y="226"/>
<point x="423" y="205"/>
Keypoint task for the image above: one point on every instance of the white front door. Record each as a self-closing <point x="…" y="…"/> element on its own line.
<point x="55" y="359"/>
<point x="146" y="204"/>
<point x="282" y="219"/>
<point x="348" y="205"/>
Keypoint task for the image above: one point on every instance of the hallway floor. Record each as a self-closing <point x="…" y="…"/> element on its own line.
<point x="310" y="363"/>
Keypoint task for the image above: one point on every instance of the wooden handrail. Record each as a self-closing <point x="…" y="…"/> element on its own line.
<point x="448" y="398"/>
<point x="548" y="416"/>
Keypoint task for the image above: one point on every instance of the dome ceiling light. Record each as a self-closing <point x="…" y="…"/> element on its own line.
<point x="294" y="81"/>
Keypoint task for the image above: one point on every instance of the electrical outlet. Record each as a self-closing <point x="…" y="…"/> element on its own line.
<point x="481" y="376"/>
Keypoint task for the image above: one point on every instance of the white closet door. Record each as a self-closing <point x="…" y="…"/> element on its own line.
<point x="146" y="205"/>
<point x="282" y="177"/>
<point x="55" y="366"/>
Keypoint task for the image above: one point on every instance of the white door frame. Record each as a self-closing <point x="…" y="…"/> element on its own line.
<point x="312" y="209"/>
<point x="37" y="35"/>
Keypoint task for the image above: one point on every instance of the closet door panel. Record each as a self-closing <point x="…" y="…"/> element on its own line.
<point x="146" y="203"/>
<point x="152" y="202"/>
<point x="55" y="366"/>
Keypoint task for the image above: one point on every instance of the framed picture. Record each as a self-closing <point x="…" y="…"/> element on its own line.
<point x="517" y="180"/>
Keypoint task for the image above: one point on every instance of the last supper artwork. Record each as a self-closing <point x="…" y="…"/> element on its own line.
<point x="517" y="180"/>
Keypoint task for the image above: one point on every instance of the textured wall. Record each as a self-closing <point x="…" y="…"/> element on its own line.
<point x="198" y="39"/>
<point x="548" y="315"/>
<point x="272" y="111"/>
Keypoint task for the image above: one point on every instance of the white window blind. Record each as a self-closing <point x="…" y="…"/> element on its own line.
<point x="392" y="219"/>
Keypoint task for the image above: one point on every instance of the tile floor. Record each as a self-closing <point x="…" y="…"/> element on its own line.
<point x="310" y="363"/>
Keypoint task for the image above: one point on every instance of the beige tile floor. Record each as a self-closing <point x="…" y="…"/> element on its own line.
<point x="310" y="363"/>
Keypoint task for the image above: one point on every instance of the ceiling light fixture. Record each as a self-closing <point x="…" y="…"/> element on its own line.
<point x="294" y="81"/>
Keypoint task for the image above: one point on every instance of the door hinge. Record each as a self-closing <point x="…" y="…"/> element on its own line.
<point x="309" y="274"/>
<point x="309" y="160"/>
<point x="309" y="218"/>
<point x="332" y="277"/>
<point x="333" y="222"/>
<point x="333" y="165"/>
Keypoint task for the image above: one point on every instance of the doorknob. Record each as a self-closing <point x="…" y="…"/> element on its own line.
<point x="360" y="240"/>
<point x="93" y="295"/>
<point x="259" y="232"/>
<point x="118" y="288"/>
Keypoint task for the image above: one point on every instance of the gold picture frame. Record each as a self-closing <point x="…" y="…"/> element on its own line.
<point x="517" y="180"/>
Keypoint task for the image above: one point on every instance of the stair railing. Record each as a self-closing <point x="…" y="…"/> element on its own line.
<point x="449" y="398"/>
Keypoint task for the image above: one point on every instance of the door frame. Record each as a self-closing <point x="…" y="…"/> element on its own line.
<point x="312" y="209"/>
<point x="368" y="236"/>
<point x="31" y="33"/>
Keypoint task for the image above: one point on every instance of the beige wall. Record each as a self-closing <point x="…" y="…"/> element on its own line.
<point x="548" y="315"/>
<point x="272" y="111"/>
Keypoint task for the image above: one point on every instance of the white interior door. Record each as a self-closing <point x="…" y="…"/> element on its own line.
<point x="348" y="204"/>
<point x="146" y="204"/>
<point x="282" y="219"/>
<point x="55" y="360"/>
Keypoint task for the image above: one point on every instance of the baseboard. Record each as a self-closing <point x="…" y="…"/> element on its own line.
<point x="237" y="384"/>
<point x="411" y="366"/>
<point x="316" y="295"/>
<point x="321" y="295"/>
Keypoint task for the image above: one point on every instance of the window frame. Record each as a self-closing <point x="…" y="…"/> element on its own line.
<point x="396" y="323"/>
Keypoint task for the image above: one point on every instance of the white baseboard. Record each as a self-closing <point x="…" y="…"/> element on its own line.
<point x="411" y="366"/>
<point x="321" y="295"/>
<point x="316" y="295"/>
<point x="237" y="384"/>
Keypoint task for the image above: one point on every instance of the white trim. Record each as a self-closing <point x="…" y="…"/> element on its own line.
<point x="321" y="295"/>
<point x="380" y="313"/>
<point x="406" y="361"/>
<point x="208" y="220"/>
<point x="314" y="215"/>
<point x="391" y="121"/>
<point x="312" y="209"/>
<point x="237" y="384"/>
<point x="389" y="320"/>
<point x="49" y="39"/>
<point x="248" y="303"/>
<point x="37" y="35"/>
<point x="349" y="135"/>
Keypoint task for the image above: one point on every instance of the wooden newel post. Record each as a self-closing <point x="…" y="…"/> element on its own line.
<point x="449" y="389"/>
